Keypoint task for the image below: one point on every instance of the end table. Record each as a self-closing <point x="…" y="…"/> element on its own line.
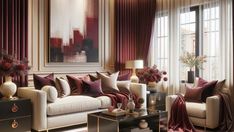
<point x="15" y="115"/>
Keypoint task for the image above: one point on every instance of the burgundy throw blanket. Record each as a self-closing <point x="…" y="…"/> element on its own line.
<point x="120" y="97"/>
<point x="179" y="120"/>
<point x="225" y="116"/>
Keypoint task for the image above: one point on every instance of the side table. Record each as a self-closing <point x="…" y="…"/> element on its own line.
<point x="15" y="115"/>
<point x="156" y="100"/>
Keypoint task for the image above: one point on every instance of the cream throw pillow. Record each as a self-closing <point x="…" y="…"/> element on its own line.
<point x="124" y="86"/>
<point x="109" y="83"/>
<point x="51" y="92"/>
<point x="63" y="87"/>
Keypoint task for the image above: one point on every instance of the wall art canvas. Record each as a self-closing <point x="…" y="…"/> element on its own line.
<point x="73" y="31"/>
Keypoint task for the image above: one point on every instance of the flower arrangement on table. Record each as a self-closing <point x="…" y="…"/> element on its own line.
<point x="10" y="66"/>
<point x="191" y="60"/>
<point x="151" y="74"/>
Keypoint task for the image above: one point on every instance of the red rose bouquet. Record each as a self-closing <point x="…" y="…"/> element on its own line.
<point x="151" y="74"/>
<point x="10" y="66"/>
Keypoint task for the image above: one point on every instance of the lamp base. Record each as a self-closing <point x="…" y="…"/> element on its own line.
<point x="134" y="79"/>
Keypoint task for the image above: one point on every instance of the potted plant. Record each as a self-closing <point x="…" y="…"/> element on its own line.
<point x="10" y="67"/>
<point x="191" y="60"/>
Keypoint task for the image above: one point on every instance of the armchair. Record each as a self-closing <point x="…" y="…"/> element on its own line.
<point x="201" y="114"/>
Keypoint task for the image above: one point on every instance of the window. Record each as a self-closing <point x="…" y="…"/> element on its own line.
<point x="188" y="36"/>
<point x="198" y="33"/>
<point x="161" y="56"/>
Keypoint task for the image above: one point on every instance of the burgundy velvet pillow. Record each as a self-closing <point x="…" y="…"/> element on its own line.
<point x="76" y="84"/>
<point x="122" y="77"/>
<point x="39" y="82"/>
<point x="92" y="88"/>
<point x="208" y="88"/>
<point x="193" y="94"/>
<point x="201" y="82"/>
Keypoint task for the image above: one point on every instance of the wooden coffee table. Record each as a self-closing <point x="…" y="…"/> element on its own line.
<point x="100" y="122"/>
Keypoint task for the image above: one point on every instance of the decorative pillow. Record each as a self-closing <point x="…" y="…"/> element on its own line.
<point x="208" y="88"/>
<point x="109" y="83"/>
<point x="193" y="94"/>
<point x="39" y="82"/>
<point x="93" y="77"/>
<point x="92" y="88"/>
<point x="219" y="87"/>
<point x="62" y="87"/>
<point x="76" y="84"/>
<point x="122" y="77"/>
<point x="51" y="92"/>
<point x="124" y="86"/>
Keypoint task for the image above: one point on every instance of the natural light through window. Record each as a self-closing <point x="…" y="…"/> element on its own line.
<point x="199" y="33"/>
<point x="187" y="37"/>
<point x="161" y="56"/>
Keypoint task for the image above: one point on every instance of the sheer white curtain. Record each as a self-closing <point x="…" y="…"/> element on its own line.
<point x="174" y="33"/>
<point x="165" y="46"/>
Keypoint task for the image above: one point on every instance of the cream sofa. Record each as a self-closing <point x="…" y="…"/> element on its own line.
<point x="68" y="111"/>
<point x="200" y="114"/>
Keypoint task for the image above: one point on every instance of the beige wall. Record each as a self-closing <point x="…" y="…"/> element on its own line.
<point x="38" y="41"/>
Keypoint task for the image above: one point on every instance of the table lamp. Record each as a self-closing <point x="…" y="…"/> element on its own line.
<point x="134" y="64"/>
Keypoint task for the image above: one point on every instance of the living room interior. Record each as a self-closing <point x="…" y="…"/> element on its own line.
<point x="116" y="65"/>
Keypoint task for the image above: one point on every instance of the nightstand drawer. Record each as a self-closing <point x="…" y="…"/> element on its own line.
<point x="16" y="124"/>
<point x="15" y="108"/>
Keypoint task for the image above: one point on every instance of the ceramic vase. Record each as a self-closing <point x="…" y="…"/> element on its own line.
<point x="8" y="88"/>
<point x="143" y="124"/>
<point x="190" y="76"/>
<point x="131" y="105"/>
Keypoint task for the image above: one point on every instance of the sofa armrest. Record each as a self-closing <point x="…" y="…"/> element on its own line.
<point x="39" y="103"/>
<point x="140" y="90"/>
<point x="169" y="101"/>
<point x="212" y="111"/>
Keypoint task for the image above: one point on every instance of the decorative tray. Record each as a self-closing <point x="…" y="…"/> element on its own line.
<point x="115" y="112"/>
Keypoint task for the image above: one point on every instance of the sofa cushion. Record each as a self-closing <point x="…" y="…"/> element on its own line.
<point x="39" y="81"/>
<point x="208" y="88"/>
<point x="193" y="94"/>
<point x="196" y="109"/>
<point x="51" y="92"/>
<point x="105" y="101"/>
<point x="76" y="84"/>
<point x="124" y="86"/>
<point x="93" y="89"/>
<point x="109" y="83"/>
<point x="63" y="87"/>
<point x="72" y="104"/>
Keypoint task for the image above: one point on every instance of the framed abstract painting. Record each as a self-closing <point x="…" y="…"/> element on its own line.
<point x="73" y="31"/>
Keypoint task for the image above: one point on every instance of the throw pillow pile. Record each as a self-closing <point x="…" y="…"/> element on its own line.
<point x="87" y="85"/>
<point x="203" y="90"/>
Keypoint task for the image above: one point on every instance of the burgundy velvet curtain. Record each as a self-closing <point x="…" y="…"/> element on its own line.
<point x="14" y="31"/>
<point x="133" y="27"/>
<point x="126" y="12"/>
<point x="147" y="9"/>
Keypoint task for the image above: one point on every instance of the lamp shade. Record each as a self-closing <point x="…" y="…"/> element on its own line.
<point x="134" y="64"/>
